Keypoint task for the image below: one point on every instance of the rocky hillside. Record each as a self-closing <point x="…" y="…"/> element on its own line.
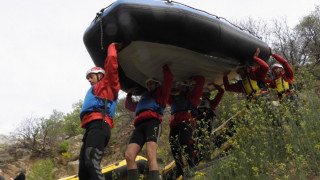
<point x="13" y="157"/>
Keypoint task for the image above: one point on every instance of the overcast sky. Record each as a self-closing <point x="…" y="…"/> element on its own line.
<point x="43" y="59"/>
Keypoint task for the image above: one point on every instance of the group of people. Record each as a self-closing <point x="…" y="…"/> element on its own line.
<point x="254" y="84"/>
<point x="21" y="176"/>
<point x="192" y="112"/>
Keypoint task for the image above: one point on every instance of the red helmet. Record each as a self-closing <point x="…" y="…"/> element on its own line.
<point x="95" y="70"/>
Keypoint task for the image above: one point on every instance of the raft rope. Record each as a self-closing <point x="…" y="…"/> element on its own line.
<point x="242" y="29"/>
<point x="101" y="35"/>
<point x="98" y="17"/>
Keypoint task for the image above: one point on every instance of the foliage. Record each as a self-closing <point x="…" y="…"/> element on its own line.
<point x="72" y="124"/>
<point x="39" y="134"/>
<point x="164" y="155"/>
<point x="122" y="114"/>
<point x="42" y="170"/>
<point x="265" y="151"/>
<point x="66" y="155"/>
<point x="230" y="104"/>
<point x="309" y="37"/>
<point x="63" y="147"/>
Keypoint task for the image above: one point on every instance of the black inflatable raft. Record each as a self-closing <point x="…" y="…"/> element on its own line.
<point x="157" y="32"/>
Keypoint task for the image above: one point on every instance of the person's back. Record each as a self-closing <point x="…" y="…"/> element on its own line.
<point x="182" y="124"/>
<point x="22" y="175"/>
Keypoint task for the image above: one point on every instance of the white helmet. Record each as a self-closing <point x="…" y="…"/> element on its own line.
<point x="182" y="83"/>
<point x="276" y="65"/>
<point x="153" y="79"/>
<point x="95" y="70"/>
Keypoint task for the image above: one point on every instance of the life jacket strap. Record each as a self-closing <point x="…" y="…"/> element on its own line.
<point x="104" y="109"/>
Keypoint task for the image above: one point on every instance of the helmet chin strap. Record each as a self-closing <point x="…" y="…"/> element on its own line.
<point x="97" y="77"/>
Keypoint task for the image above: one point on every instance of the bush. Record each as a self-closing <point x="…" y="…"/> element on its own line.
<point x="264" y="151"/>
<point x="42" y="170"/>
<point x="63" y="147"/>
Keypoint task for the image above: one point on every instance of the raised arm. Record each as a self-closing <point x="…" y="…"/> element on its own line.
<point x="129" y="103"/>
<point x="111" y="78"/>
<point x="287" y="68"/>
<point x="260" y="72"/>
<point x="195" y="94"/>
<point x="215" y="102"/>
<point x="162" y="95"/>
<point x="237" y="87"/>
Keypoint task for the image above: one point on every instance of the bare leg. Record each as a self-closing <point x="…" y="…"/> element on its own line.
<point x="131" y="154"/>
<point x="152" y="155"/>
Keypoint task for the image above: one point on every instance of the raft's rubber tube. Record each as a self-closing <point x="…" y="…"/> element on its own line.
<point x="158" y="32"/>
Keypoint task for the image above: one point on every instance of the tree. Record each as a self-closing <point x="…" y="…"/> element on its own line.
<point x="72" y="123"/>
<point x="309" y="37"/>
<point x="39" y="134"/>
<point x="258" y="28"/>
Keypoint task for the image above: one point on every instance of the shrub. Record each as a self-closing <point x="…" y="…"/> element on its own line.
<point x="264" y="151"/>
<point x="63" y="147"/>
<point x="42" y="170"/>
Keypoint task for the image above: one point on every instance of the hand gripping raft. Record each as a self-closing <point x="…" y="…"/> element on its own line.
<point x="154" y="33"/>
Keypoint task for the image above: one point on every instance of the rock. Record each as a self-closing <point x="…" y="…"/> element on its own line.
<point x="74" y="150"/>
<point x="73" y="167"/>
<point x="6" y="158"/>
<point x="21" y="153"/>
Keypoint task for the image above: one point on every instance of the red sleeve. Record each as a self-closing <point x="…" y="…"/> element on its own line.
<point x="215" y="102"/>
<point x="260" y="72"/>
<point x="289" y="76"/>
<point x="109" y="86"/>
<point x="162" y="95"/>
<point x="194" y="95"/>
<point x="237" y="87"/>
<point x="129" y="104"/>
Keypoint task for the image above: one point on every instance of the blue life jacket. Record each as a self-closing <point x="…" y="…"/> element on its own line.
<point x="147" y="102"/>
<point x="94" y="103"/>
<point x="181" y="103"/>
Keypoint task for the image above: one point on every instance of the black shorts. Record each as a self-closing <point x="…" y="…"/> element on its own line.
<point x="146" y="131"/>
<point x="97" y="134"/>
